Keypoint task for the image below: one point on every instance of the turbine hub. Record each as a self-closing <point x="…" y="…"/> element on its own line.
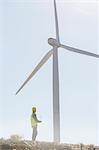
<point x="53" y="42"/>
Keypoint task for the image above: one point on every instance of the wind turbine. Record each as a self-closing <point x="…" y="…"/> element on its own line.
<point x="55" y="43"/>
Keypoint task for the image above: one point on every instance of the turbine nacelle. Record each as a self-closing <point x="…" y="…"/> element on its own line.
<point x="53" y="42"/>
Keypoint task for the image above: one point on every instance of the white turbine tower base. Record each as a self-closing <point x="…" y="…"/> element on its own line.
<point x="55" y="43"/>
<point x="56" y="105"/>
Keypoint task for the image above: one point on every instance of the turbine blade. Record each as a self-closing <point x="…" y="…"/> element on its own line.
<point x="56" y="22"/>
<point x="79" y="51"/>
<point x="41" y="63"/>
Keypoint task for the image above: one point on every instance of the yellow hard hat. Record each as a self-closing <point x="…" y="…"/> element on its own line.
<point x="33" y="109"/>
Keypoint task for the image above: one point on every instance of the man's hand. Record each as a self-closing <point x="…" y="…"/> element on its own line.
<point x="39" y="121"/>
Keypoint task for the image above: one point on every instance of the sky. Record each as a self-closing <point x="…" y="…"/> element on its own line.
<point x="25" y="27"/>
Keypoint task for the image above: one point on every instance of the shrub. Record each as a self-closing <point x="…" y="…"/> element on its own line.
<point x="15" y="137"/>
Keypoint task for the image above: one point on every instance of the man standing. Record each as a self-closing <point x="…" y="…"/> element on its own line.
<point x="34" y="122"/>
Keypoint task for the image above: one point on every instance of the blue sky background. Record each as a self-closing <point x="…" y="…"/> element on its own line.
<point x="24" y="29"/>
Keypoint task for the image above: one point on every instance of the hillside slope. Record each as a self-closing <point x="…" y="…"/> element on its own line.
<point x="29" y="145"/>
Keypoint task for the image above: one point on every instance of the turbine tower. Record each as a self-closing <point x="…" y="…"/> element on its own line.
<point x="56" y="105"/>
<point x="55" y="43"/>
